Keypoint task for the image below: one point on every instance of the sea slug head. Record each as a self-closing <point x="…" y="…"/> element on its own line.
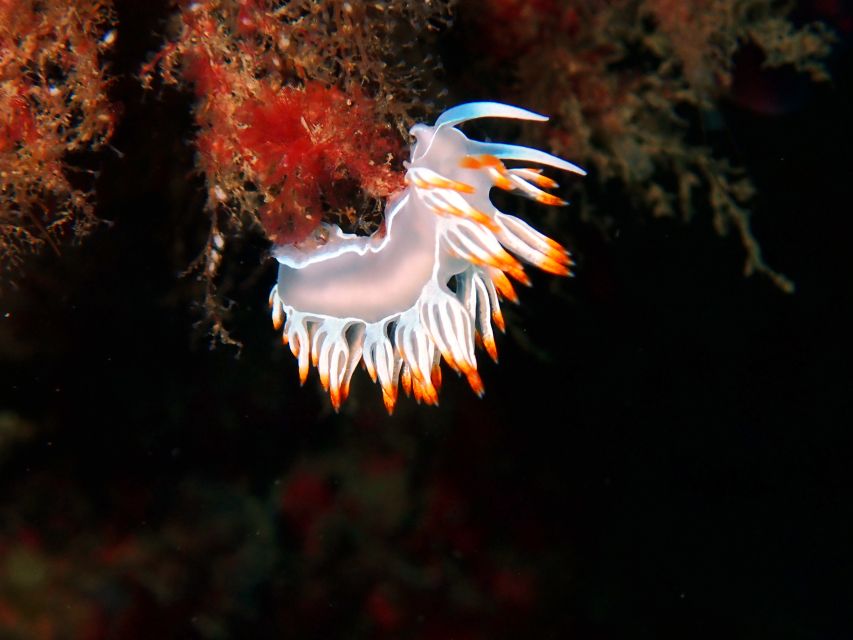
<point x="438" y="147"/>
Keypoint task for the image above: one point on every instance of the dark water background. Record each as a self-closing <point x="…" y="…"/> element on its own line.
<point x="662" y="451"/>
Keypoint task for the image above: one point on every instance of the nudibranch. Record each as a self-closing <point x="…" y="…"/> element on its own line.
<point x="387" y="299"/>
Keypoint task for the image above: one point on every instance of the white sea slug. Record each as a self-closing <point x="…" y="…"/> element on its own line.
<point x="385" y="299"/>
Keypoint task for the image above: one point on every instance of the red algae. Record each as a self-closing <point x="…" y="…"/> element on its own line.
<point x="310" y="149"/>
<point x="53" y="101"/>
<point x="300" y="116"/>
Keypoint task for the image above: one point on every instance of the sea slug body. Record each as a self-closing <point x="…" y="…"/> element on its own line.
<point x="385" y="299"/>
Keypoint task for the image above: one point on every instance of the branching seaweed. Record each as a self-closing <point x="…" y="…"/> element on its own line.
<point x="625" y="81"/>
<point x="53" y="102"/>
<point x="301" y="109"/>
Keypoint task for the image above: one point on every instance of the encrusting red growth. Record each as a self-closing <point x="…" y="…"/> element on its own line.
<point x="287" y="135"/>
<point x="312" y="150"/>
<point x="306" y="151"/>
<point x="53" y="103"/>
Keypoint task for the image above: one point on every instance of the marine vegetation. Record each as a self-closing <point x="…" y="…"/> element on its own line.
<point x="53" y="107"/>
<point x="635" y="87"/>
